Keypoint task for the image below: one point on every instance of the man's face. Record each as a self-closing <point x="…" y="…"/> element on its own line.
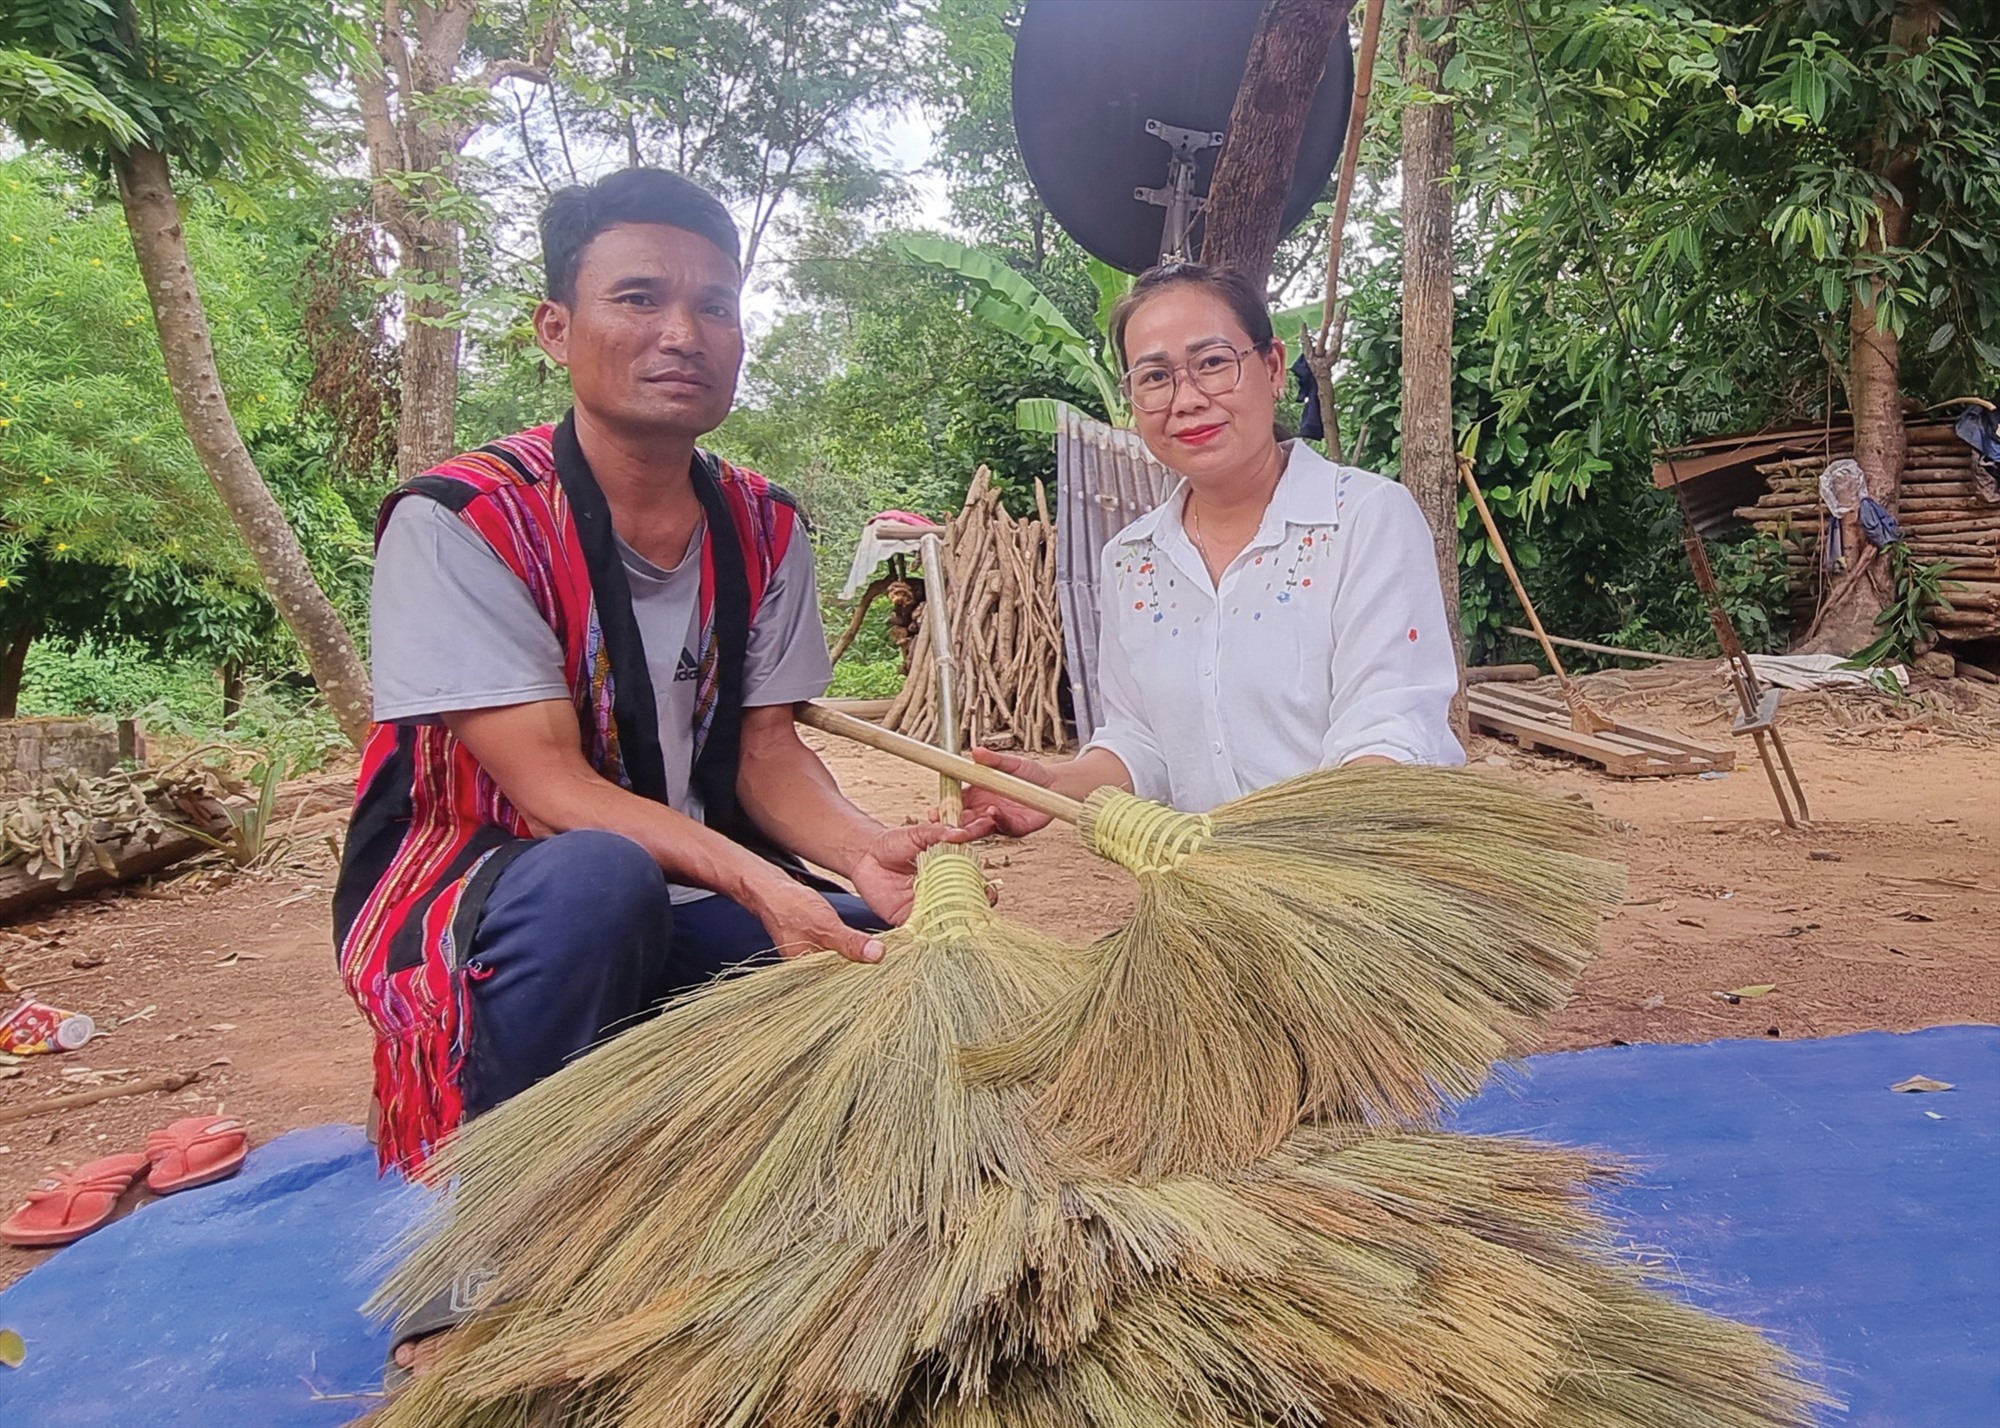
<point x="652" y="338"/>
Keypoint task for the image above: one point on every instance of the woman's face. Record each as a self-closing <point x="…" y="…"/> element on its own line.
<point x="1200" y="434"/>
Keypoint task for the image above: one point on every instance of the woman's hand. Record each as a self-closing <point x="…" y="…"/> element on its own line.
<point x="1003" y="814"/>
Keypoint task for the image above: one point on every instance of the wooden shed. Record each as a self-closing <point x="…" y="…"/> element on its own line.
<point x="1771" y="480"/>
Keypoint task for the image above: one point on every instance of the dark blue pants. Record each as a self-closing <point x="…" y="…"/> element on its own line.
<point x="577" y="940"/>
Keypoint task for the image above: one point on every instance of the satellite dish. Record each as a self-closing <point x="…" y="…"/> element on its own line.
<point x="1112" y="97"/>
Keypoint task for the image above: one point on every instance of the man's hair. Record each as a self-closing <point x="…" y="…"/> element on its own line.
<point x="576" y="215"/>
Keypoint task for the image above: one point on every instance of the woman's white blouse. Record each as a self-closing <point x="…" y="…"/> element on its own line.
<point x="1324" y="641"/>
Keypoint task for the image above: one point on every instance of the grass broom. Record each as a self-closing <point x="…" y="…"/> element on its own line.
<point x="1353" y="944"/>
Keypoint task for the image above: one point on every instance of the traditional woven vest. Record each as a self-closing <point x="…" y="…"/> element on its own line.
<point x="431" y="832"/>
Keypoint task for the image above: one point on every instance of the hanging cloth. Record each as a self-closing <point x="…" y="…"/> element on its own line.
<point x="1842" y="488"/>
<point x="1312" y="425"/>
<point x="1979" y="428"/>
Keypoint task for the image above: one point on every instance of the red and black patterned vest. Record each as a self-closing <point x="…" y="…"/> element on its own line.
<point x="431" y="832"/>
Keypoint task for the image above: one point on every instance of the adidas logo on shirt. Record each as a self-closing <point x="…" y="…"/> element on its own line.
<point x="687" y="668"/>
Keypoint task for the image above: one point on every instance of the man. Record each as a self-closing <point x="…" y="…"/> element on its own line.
<point x="585" y="791"/>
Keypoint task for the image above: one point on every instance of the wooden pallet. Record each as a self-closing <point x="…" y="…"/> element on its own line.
<point x="1538" y="721"/>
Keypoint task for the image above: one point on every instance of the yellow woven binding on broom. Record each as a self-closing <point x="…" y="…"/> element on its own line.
<point x="950" y="895"/>
<point x="1144" y="836"/>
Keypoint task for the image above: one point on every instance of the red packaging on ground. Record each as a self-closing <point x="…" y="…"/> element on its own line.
<point x="35" y="1027"/>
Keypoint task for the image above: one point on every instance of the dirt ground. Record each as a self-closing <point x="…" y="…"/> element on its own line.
<point x="1881" y="915"/>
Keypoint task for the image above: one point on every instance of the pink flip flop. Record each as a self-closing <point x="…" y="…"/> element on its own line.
<point x="68" y="1207"/>
<point x="195" y="1151"/>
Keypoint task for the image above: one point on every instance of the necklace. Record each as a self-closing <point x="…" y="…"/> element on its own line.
<point x="1199" y="544"/>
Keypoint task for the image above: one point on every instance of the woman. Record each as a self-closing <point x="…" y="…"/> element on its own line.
<point x="1278" y="613"/>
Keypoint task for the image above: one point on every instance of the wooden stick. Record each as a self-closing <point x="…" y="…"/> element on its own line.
<point x="1501" y="673"/>
<point x="1350" y="158"/>
<point x="1582" y="717"/>
<point x="868" y="597"/>
<point x="171" y="1081"/>
<point x="1601" y="649"/>
<point x="846" y="726"/>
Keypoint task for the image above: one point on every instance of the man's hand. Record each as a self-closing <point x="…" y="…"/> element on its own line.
<point x="798" y="920"/>
<point x="1010" y="819"/>
<point x="885" y="875"/>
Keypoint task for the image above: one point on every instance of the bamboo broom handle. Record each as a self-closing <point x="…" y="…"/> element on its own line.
<point x="937" y="615"/>
<point x="1513" y="575"/>
<point x="846" y="726"/>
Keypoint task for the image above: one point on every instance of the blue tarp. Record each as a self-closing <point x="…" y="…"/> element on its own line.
<point x="1785" y="1182"/>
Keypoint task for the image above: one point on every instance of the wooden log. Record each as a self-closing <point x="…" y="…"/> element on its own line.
<point x="874" y="710"/>
<point x="132" y="856"/>
<point x="170" y="1081"/>
<point x="1502" y="673"/>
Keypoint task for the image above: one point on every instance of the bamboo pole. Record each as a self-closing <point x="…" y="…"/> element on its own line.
<point x="1582" y="717"/>
<point x="846" y="726"/>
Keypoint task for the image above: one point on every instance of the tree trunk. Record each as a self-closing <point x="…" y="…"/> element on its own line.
<point x="1430" y="456"/>
<point x="427" y="430"/>
<point x="232" y="692"/>
<point x="1846" y="622"/>
<point x="415" y="130"/>
<point x="1244" y="217"/>
<point x="12" y="663"/>
<point x="152" y="213"/>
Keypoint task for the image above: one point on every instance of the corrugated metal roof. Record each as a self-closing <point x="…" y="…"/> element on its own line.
<point x="1105" y="480"/>
<point x="1717" y="474"/>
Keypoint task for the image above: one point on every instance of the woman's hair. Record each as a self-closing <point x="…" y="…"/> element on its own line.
<point x="1242" y="295"/>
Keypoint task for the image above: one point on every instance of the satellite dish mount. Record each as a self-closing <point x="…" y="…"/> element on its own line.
<point x="1178" y="196"/>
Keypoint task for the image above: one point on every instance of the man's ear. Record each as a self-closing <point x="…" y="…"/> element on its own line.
<point x="552" y="330"/>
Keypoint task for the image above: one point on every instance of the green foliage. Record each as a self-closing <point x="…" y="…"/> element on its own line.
<point x="1011" y="304"/>
<point x="1598" y="546"/>
<point x="179" y="699"/>
<point x="111" y="526"/>
<point x="43" y="95"/>
<point x="1734" y="162"/>
<point x="871" y="667"/>
<point x="759" y="99"/>
<point x="211" y="85"/>
<point x="880" y="388"/>
<point x="1906" y="629"/>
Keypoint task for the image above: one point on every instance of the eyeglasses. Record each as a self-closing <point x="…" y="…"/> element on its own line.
<point x="1215" y="371"/>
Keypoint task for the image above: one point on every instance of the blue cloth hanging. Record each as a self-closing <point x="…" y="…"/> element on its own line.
<point x="1878" y="523"/>
<point x="1979" y="428"/>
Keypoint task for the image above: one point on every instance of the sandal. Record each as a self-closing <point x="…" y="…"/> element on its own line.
<point x="198" y="1150"/>
<point x="443" y="1311"/>
<point x="67" y="1207"/>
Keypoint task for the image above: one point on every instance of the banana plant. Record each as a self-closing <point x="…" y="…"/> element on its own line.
<point x="1013" y="305"/>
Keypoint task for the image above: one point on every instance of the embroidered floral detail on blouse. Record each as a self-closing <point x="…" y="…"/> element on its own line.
<point x="1140" y="569"/>
<point x="1305" y="551"/>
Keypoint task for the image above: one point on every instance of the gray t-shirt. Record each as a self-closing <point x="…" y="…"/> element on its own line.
<point x="494" y="649"/>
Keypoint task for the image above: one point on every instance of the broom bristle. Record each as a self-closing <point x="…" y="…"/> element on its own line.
<point x="1450" y="1281"/>
<point x="815" y="1103"/>
<point x="1373" y="1278"/>
<point x="1355" y="944"/>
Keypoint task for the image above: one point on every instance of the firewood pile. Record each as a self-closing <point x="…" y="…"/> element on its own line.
<point x="1007" y="633"/>
<point x="1943" y="511"/>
